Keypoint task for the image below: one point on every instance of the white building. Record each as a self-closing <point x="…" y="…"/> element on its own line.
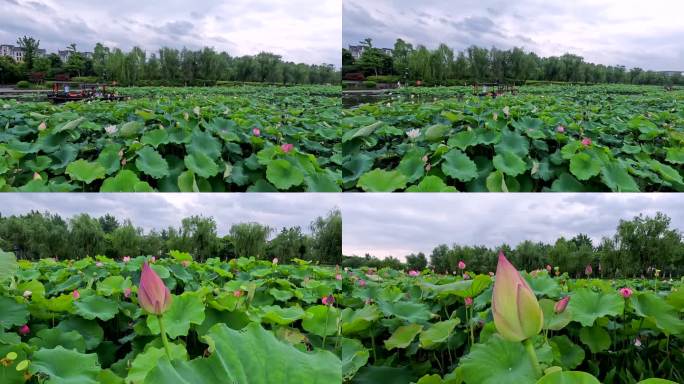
<point x="17" y="53"/>
<point x="357" y="50"/>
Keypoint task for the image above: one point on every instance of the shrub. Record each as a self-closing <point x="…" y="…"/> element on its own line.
<point x="23" y="85"/>
<point x="370" y="84"/>
<point x="383" y="79"/>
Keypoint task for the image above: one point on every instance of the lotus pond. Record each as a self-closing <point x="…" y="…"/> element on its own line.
<point x="545" y="138"/>
<point x="418" y="327"/>
<point x="248" y="138"/>
<point x="242" y="321"/>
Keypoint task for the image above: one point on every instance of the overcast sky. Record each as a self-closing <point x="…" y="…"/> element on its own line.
<point x="400" y="224"/>
<point x="300" y="30"/>
<point x="160" y="210"/>
<point x="648" y="34"/>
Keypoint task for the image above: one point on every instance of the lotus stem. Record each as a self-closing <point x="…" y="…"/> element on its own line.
<point x="165" y="341"/>
<point x="532" y="354"/>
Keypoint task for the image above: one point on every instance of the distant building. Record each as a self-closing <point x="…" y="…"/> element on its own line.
<point x="357" y="50"/>
<point x="64" y="55"/>
<point x="17" y="53"/>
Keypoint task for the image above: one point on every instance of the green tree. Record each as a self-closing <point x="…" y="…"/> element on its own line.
<point x="30" y="47"/>
<point x="86" y="236"/>
<point x="249" y="239"/>
<point x="326" y="234"/>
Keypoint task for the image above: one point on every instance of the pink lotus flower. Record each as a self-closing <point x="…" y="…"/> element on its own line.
<point x="586" y="141"/>
<point x="588" y="270"/>
<point x="256" y="131"/>
<point x="287" y="147"/>
<point x="491" y="274"/>
<point x="466" y="276"/>
<point x="185" y="263"/>
<point x="24" y="330"/>
<point x="517" y="314"/>
<point x="413" y="273"/>
<point x="237" y="293"/>
<point x="468" y="301"/>
<point x="362" y="283"/>
<point x="561" y="304"/>
<point x="328" y="300"/>
<point x="75" y="294"/>
<point x="153" y="295"/>
<point x="560" y="129"/>
<point x="275" y="260"/>
<point x="338" y="277"/>
<point x="548" y="268"/>
<point x="637" y="342"/>
<point x="153" y="259"/>
<point x="126" y="259"/>
<point x="127" y="293"/>
<point x="461" y="265"/>
<point x="626" y="292"/>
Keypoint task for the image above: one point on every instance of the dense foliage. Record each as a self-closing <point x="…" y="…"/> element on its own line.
<point x="168" y="66"/>
<point x="439" y="329"/>
<point x="443" y="66"/>
<point x="183" y="139"/>
<point x="36" y="235"/>
<point x="80" y="322"/>
<point x="641" y="247"/>
<point x="550" y="138"/>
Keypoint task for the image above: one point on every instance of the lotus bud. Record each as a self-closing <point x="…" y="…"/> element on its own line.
<point x="626" y="292"/>
<point x="153" y="295"/>
<point x="517" y="315"/>
<point x="561" y="305"/>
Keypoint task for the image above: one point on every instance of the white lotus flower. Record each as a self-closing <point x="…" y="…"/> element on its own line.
<point x="413" y="133"/>
<point x="111" y="129"/>
<point x="27" y="294"/>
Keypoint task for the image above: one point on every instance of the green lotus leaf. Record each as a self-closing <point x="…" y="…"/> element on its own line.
<point x="354" y="356"/>
<point x="92" y="307"/>
<point x="566" y="353"/>
<point x="584" y="166"/>
<point x="379" y="180"/>
<point x="8" y="265"/>
<point x="205" y="143"/>
<point x="321" y="182"/>
<point x="412" y="165"/>
<point x="282" y="316"/>
<point x="152" y="163"/>
<point x="655" y="308"/>
<point x="12" y="313"/>
<point x="109" y="158"/>
<point x="358" y="320"/>
<point x="437" y="333"/>
<point x="509" y="163"/>
<point x="283" y="174"/>
<point x="321" y="320"/>
<point x="459" y="166"/>
<point x="403" y="336"/>
<point x="568" y="377"/>
<point x="201" y="164"/>
<point x="431" y="184"/>
<point x="675" y="155"/>
<point x="616" y="177"/>
<point x="85" y="171"/>
<point x="513" y="142"/>
<point x="435" y="132"/>
<point x="125" y="181"/>
<point x="242" y="357"/>
<point x="146" y="361"/>
<point x="552" y="320"/>
<point x="53" y="337"/>
<point x="587" y="306"/>
<point x="497" y="361"/>
<point x="155" y="137"/>
<point x="185" y="310"/>
<point x="596" y="338"/>
<point x="406" y="310"/>
<point x="64" y="366"/>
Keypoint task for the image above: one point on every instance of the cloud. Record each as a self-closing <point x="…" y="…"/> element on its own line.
<point x="610" y="32"/>
<point x="161" y="210"/>
<point x="306" y="31"/>
<point x="399" y="224"/>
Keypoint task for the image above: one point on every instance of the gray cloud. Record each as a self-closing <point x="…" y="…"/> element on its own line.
<point x="399" y="224"/>
<point x="611" y="32"/>
<point x="300" y="30"/>
<point x="160" y="210"/>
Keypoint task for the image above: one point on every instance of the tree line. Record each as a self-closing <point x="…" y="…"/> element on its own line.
<point x="167" y="66"/>
<point x="444" y="66"/>
<point x="37" y="235"/>
<point x="638" y="248"/>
